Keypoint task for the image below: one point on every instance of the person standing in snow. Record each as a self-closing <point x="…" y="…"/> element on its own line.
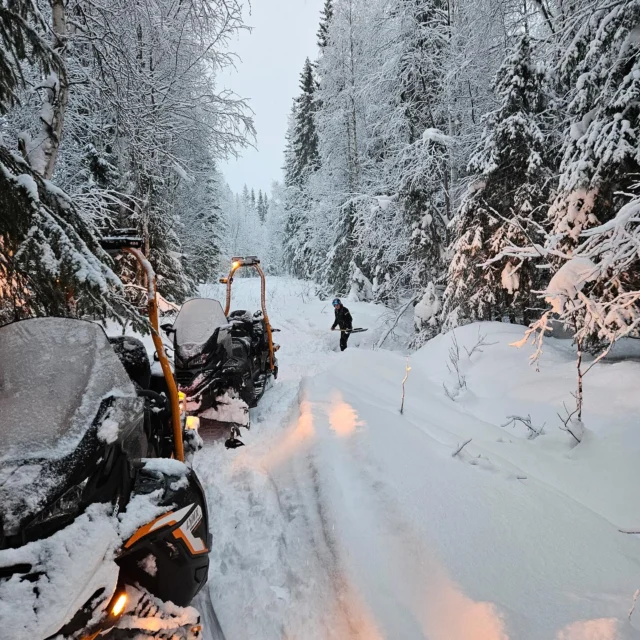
<point x="344" y="321"/>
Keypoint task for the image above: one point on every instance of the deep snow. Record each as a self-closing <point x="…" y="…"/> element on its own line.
<point x="342" y="518"/>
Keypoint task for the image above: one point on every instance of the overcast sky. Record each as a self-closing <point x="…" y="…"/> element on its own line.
<point x="283" y="35"/>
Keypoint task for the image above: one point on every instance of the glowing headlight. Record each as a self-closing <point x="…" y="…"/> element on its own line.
<point x="119" y="605"/>
<point x="193" y="423"/>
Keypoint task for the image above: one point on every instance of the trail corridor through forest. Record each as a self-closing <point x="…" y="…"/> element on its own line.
<point x="342" y="519"/>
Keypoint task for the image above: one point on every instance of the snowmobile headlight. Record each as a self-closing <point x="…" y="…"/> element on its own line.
<point x="201" y="359"/>
<point x="119" y="605"/>
<point x="67" y="505"/>
<point x="193" y="423"/>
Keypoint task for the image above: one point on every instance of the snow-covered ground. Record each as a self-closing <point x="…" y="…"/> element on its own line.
<point x="342" y="518"/>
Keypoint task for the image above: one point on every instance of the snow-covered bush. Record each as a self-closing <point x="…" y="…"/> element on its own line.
<point x="425" y="315"/>
<point x="361" y="288"/>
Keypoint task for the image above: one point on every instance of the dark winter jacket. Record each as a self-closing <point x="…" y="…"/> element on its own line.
<point x="343" y="318"/>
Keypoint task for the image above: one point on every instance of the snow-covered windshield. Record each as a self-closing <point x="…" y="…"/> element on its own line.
<point x="196" y="322"/>
<point x="54" y="373"/>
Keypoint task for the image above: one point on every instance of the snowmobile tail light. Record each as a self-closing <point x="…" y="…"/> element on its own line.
<point x="193" y="423"/>
<point x="119" y="605"/>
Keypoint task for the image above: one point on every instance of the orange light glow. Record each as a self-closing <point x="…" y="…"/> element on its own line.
<point x="236" y="264"/>
<point x="600" y="629"/>
<point x="295" y="439"/>
<point x="192" y="423"/>
<point x="119" y="605"/>
<point x="342" y="416"/>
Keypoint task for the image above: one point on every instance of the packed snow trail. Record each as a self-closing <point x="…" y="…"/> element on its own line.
<point x="342" y="519"/>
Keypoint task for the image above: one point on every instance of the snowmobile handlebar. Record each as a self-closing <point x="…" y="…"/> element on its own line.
<point x="254" y="262"/>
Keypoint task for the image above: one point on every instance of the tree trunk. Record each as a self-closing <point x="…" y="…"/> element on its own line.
<point x="53" y="110"/>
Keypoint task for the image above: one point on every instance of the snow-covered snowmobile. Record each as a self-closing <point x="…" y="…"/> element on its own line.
<point x="223" y="359"/>
<point x="103" y="529"/>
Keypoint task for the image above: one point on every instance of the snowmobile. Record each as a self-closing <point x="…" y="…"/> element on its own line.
<point x="103" y="528"/>
<point x="223" y="359"/>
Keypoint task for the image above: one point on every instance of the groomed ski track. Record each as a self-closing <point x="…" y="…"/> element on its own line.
<point x="342" y="520"/>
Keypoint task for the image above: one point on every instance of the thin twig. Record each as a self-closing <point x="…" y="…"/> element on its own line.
<point x="406" y="377"/>
<point x="459" y="449"/>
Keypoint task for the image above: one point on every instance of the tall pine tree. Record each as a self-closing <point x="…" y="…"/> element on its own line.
<point x="325" y="20"/>
<point x="594" y="215"/>
<point x="301" y="161"/>
<point x="505" y="205"/>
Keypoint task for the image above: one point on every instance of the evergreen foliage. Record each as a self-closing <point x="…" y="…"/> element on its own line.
<point x="506" y="204"/>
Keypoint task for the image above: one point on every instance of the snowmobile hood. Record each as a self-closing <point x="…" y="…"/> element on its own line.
<point x="47" y="581"/>
<point x="195" y="325"/>
<point x="57" y="375"/>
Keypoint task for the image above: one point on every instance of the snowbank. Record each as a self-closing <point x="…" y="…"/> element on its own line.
<point x="344" y="519"/>
<point x="601" y="472"/>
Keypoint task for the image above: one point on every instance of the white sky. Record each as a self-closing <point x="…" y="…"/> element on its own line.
<point x="272" y="56"/>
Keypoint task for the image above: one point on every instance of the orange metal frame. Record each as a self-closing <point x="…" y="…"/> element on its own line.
<point x="238" y="264"/>
<point x="152" y="308"/>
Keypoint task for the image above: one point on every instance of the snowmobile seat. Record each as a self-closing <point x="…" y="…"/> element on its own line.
<point x="241" y="324"/>
<point x="134" y="358"/>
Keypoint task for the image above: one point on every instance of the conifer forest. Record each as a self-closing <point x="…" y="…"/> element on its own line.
<point x="477" y="157"/>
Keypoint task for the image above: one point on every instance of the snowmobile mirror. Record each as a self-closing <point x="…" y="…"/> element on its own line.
<point x="167" y="327"/>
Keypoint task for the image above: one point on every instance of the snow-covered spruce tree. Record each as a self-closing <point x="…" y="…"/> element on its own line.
<point x="325" y="20"/>
<point x="301" y="161"/>
<point x="274" y="230"/>
<point x="245" y="234"/>
<point x="202" y="225"/>
<point x="407" y="148"/>
<point x="262" y="206"/>
<point x="426" y="189"/>
<point x="595" y="215"/>
<point x="340" y="128"/>
<point x="505" y="205"/>
<point x="50" y="259"/>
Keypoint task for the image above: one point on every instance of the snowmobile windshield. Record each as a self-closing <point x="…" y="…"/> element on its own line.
<point x="195" y="324"/>
<point x="54" y="375"/>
